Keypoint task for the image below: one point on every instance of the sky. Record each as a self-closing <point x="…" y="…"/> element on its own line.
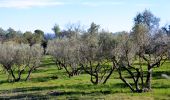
<point x="112" y="15"/>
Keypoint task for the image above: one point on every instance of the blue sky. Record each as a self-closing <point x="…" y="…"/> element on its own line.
<point x="112" y="15"/>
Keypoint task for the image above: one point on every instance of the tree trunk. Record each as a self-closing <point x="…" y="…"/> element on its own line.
<point x="127" y="84"/>
<point x="120" y="75"/>
<point x="96" y="80"/>
<point x="18" y="79"/>
<point x="29" y="73"/>
<point x="67" y="71"/>
<point x="108" y="76"/>
<point x="58" y="64"/>
<point x="19" y="75"/>
<point x="137" y="81"/>
<point x="149" y="78"/>
<point x="13" y="75"/>
<point x="44" y="51"/>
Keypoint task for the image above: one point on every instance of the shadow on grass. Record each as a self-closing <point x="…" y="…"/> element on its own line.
<point x="31" y="96"/>
<point x="48" y="64"/>
<point x="53" y="94"/>
<point x="59" y="93"/>
<point x="39" y="79"/>
<point x="161" y="86"/>
<point x="38" y="70"/>
<point x="44" y="79"/>
<point x="158" y="74"/>
<point x="140" y="64"/>
<point x="3" y="81"/>
<point x="78" y="87"/>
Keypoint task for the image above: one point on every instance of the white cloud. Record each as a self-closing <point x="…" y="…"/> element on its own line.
<point x="42" y="3"/>
<point x="96" y="4"/>
<point x="28" y="3"/>
<point x="145" y="5"/>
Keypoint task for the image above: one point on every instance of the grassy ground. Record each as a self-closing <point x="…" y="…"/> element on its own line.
<point x="49" y="83"/>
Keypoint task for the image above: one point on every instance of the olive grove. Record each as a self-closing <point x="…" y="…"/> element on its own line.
<point x="100" y="53"/>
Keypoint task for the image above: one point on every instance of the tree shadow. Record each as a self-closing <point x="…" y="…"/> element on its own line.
<point x="4" y="81"/>
<point x="161" y="86"/>
<point x="44" y="79"/>
<point x="47" y="64"/>
<point x="40" y="70"/>
<point x="30" y="96"/>
<point x="85" y="87"/>
<point x="158" y="74"/>
<point x="70" y="95"/>
<point x="37" y="79"/>
<point x="145" y="64"/>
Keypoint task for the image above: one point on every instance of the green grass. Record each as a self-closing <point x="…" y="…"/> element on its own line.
<point x="47" y="82"/>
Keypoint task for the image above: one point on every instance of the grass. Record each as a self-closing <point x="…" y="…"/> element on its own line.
<point x="47" y="82"/>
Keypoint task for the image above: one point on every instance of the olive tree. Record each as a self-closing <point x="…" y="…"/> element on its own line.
<point x="2" y="34"/>
<point x="95" y="54"/>
<point x="124" y="59"/>
<point x="65" y="49"/>
<point x="65" y="53"/>
<point x="166" y="30"/>
<point x="138" y="50"/>
<point x="57" y="31"/>
<point x="17" y="59"/>
<point x="96" y="57"/>
<point x="151" y="49"/>
<point x="153" y="54"/>
<point x="146" y="17"/>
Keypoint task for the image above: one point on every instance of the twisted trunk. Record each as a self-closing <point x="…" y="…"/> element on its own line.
<point x="29" y="73"/>
<point x="149" y="78"/>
